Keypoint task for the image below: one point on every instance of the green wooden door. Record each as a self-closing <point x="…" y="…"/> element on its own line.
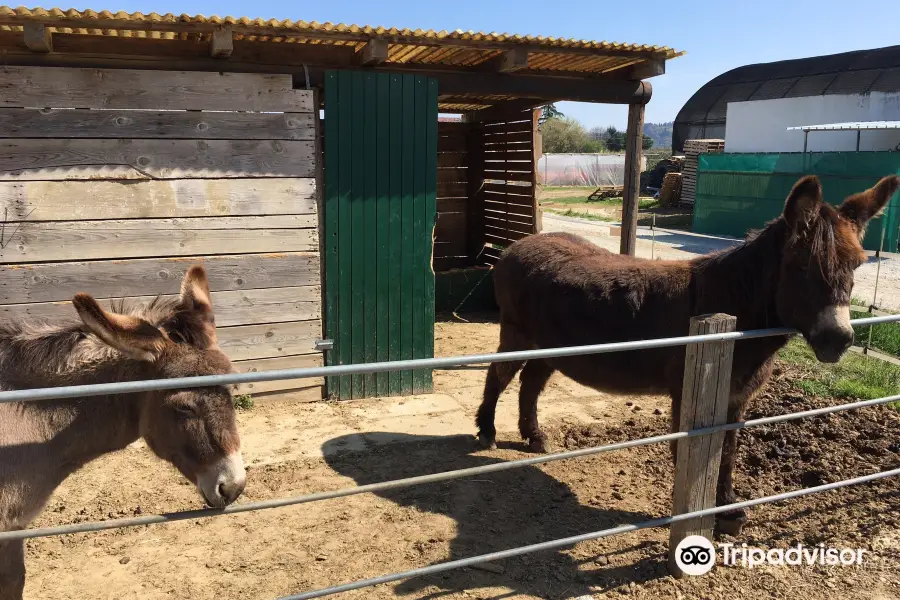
<point x="380" y="204"/>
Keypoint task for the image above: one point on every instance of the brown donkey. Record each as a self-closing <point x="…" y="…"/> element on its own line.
<point x="559" y="290"/>
<point x="42" y="443"/>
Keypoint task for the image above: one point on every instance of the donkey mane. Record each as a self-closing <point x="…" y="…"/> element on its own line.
<point x="57" y="350"/>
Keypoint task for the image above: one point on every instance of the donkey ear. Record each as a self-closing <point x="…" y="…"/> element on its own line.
<point x="195" y="290"/>
<point x="194" y="322"/>
<point x="860" y="208"/>
<point x="129" y="335"/>
<point x="803" y="203"/>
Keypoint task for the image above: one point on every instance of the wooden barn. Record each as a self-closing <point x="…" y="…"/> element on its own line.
<point x="304" y="164"/>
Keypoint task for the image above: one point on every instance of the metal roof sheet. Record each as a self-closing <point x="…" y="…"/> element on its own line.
<point x="418" y="46"/>
<point x="852" y="126"/>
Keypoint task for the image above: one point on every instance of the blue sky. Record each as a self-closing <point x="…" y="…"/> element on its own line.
<point x="717" y="35"/>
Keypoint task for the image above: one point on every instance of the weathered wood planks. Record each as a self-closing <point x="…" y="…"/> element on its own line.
<point x="247" y="342"/>
<point x="80" y="240"/>
<point x="137" y="199"/>
<point x="67" y="159"/>
<point x="162" y="171"/>
<point x="64" y="87"/>
<point x="48" y="282"/>
<point x="304" y="361"/>
<point x="242" y="307"/>
<point x="136" y="124"/>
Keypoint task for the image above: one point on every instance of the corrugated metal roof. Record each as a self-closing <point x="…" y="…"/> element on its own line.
<point x="854" y="126"/>
<point x="407" y="46"/>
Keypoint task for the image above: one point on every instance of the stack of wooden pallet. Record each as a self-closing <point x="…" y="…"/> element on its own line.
<point x="670" y="193"/>
<point x="692" y="150"/>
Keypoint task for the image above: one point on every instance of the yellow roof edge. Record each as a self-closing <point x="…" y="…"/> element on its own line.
<point x="110" y="20"/>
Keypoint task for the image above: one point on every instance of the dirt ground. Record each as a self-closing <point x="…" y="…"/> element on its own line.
<point x="273" y="553"/>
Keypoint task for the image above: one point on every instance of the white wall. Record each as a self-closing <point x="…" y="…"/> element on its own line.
<point x="761" y="125"/>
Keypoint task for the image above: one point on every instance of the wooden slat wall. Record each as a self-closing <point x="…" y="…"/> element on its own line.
<point x="507" y="194"/>
<point x="126" y="178"/>
<point x="450" y="234"/>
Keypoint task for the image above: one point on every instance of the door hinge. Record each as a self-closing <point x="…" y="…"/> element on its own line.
<point x="324" y="344"/>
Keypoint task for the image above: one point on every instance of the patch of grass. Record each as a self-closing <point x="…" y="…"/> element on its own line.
<point x="243" y="402"/>
<point x="667" y="220"/>
<point x="855" y="376"/>
<point x="885" y="336"/>
<point x="582" y="215"/>
<point x="565" y="188"/>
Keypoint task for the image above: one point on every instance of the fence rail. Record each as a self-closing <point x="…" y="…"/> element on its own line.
<point x="127" y="387"/>
<point x="570" y="541"/>
<point x="139" y="386"/>
<point x="37" y="532"/>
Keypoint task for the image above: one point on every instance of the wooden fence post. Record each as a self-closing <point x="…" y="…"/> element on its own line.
<point x="704" y="403"/>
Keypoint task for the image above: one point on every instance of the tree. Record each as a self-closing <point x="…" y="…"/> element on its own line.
<point x="647" y="142"/>
<point x="614" y="139"/>
<point x="549" y="111"/>
<point x="563" y="136"/>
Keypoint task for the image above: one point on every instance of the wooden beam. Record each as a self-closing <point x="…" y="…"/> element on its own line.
<point x="374" y="52"/>
<point x="704" y="403"/>
<point x="508" y="62"/>
<point x="38" y="38"/>
<point x="634" y="138"/>
<point x="221" y="44"/>
<point x="647" y="68"/>
<point x="503" y="110"/>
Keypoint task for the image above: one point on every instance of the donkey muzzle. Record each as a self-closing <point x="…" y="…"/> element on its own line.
<point x="831" y="334"/>
<point x="223" y="482"/>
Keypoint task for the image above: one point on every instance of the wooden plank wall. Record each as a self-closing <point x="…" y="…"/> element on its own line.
<point x="450" y="235"/>
<point x="123" y="179"/>
<point x="508" y="189"/>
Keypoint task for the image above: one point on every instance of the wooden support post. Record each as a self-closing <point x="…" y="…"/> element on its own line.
<point x="37" y="37"/>
<point x="221" y="44"/>
<point x="536" y="152"/>
<point x="633" y="146"/>
<point x="475" y="192"/>
<point x="704" y="403"/>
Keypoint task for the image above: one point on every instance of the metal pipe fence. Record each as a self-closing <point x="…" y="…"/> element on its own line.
<point x="570" y="541"/>
<point x="424" y="479"/>
<point x="127" y="387"/>
<point x="230" y="379"/>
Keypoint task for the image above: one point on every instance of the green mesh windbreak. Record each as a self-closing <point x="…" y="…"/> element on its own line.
<point x="739" y="192"/>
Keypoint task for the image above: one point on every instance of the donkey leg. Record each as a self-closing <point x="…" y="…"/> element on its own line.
<point x="534" y="377"/>
<point x="499" y="376"/>
<point x="12" y="569"/>
<point x="731" y="522"/>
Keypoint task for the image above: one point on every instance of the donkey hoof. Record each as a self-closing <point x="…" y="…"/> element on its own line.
<point x="731" y="523"/>
<point x="539" y="445"/>
<point x="487" y="441"/>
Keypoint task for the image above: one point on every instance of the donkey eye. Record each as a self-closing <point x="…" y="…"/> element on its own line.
<point x="185" y="410"/>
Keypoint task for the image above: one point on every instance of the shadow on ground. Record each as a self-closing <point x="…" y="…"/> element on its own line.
<point x="493" y="512"/>
<point x="689" y="242"/>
